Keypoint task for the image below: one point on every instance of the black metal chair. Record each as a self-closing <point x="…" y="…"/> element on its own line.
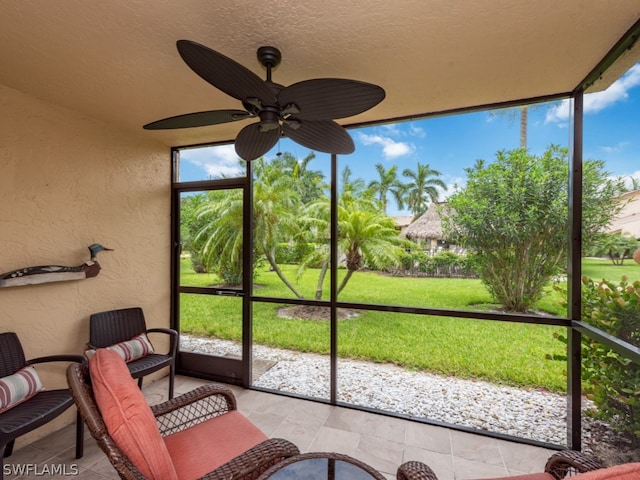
<point x="38" y="410"/>
<point x="116" y="326"/>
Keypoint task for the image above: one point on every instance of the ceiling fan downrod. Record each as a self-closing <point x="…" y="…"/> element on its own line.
<point x="269" y="58"/>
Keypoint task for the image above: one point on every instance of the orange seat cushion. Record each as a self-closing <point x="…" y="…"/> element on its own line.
<point x="210" y="444"/>
<point x="127" y="415"/>
<point x="628" y="471"/>
<point x="530" y="476"/>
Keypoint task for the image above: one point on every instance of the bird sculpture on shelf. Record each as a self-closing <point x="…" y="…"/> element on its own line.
<point x="54" y="273"/>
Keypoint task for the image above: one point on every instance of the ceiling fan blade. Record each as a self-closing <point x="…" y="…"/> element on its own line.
<point x="330" y="98"/>
<point x="324" y="136"/>
<point x="251" y="143"/>
<point x="198" y="119"/>
<point x="224" y="73"/>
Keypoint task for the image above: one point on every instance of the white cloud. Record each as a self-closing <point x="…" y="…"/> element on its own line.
<point x="392" y="129"/>
<point x="454" y="185"/>
<point x="614" y="148"/>
<point x="628" y="178"/>
<point x="216" y="161"/>
<point x="595" y="102"/>
<point x="417" y="131"/>
<point x="402" y="130"/>
<point x="390" y="148"/>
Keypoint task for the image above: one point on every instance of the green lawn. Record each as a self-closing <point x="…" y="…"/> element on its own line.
<point x="601" y="268"/>
<point x="501" y="352"/>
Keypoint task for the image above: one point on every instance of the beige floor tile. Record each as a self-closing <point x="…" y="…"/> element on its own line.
<point x="265" y="403"/>
<point x="92" y="454"/>
<point x="469" y="469"/>
<point x="387" y="428"/>
<point x="312" y="413"/>
<point x="520" y="458"/>
<point x="104" y="469"/>
<point x="301" y="433"/>
<point x="26" y="455"/>
<point x="334" y="440"/>
<point x="15" y="464"/>
<point x="58" y="441"/>
<point x="184" y="384"/>
<point x="347" y="419"/>
<point x="440" y="463"/>
<point x="428" y="437"/>
<point x="476" y="448"/>
<point x="383" y="455"/>
<point x="267" y="422"/>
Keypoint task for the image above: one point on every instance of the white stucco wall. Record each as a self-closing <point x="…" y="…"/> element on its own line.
<point x="67" y="181"/>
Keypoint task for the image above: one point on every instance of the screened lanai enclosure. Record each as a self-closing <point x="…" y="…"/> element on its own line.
<point x="287" y="272"/>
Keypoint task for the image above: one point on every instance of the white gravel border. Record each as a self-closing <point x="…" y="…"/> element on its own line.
<point x="532" y="414"/>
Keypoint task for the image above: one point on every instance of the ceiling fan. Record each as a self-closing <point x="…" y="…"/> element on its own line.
<point x="304" y="112"/>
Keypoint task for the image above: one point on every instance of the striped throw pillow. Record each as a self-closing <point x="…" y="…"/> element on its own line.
<point x="130" y="350"/>
<point x="16" y="388"/>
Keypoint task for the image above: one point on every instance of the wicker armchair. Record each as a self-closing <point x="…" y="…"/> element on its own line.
<point x="115" y="326"/>
<point x="37" y="410"/>
<point x="176" y="415"/>
<point x="566" y="463"/>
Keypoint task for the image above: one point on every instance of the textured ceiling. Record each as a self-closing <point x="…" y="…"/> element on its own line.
<point x="116" y="60"/>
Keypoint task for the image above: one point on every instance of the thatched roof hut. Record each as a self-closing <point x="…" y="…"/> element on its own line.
<point x="402" y="223"/>
<point x="428" y="227"/>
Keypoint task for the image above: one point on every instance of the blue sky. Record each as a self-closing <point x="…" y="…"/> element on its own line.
<point x="452" y="143"/>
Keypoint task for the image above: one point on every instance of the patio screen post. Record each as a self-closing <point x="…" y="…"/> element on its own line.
<point x="247" y="278"/>
<point x="574" y="287"/>
<point x="333" y="389"/>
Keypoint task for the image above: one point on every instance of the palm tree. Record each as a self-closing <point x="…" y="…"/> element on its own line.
<point x="220" y="246"/>
<point x="275" y="207"/>
<point x="388" y="183"/>
<point x="355" y="187"/>
<point x="310" y="184"/>
<point x="365" y="235"/>
<point x="522" y="113"/>
<point x="422" y="189"/>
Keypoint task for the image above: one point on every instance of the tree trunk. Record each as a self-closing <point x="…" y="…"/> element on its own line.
<point x="281" y="276"/>
<point x="524" y="121"/>
<point x="323" y="273"/>
<point x="345" y="280"/>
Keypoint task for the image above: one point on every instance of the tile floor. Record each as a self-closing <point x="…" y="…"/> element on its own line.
<point x="382" y="442"/>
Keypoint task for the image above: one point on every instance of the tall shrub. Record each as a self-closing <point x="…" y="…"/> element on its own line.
<point x="513" y="213"/>
<point x="611" y="381"/>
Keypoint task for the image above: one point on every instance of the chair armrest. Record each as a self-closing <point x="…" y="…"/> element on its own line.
<point x="173" y="341"/>
<point x="254" y="461"/>
<point x="58" y="358"/>
<point x="562" y="464"/>
<point x="194" y="407"/>
<point x="414" y="470"/>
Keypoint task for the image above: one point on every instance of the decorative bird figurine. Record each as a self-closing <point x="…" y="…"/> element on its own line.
<point x="54" y="273"/>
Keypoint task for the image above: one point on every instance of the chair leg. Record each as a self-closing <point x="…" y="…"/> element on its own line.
<point x="8" y="449"/>
<point x="172" y="372"/>
<point x="79" y="435"/>
<point x="140" y="382"/>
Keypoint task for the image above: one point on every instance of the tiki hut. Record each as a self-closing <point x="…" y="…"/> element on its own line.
<point x="427" y="229"/>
